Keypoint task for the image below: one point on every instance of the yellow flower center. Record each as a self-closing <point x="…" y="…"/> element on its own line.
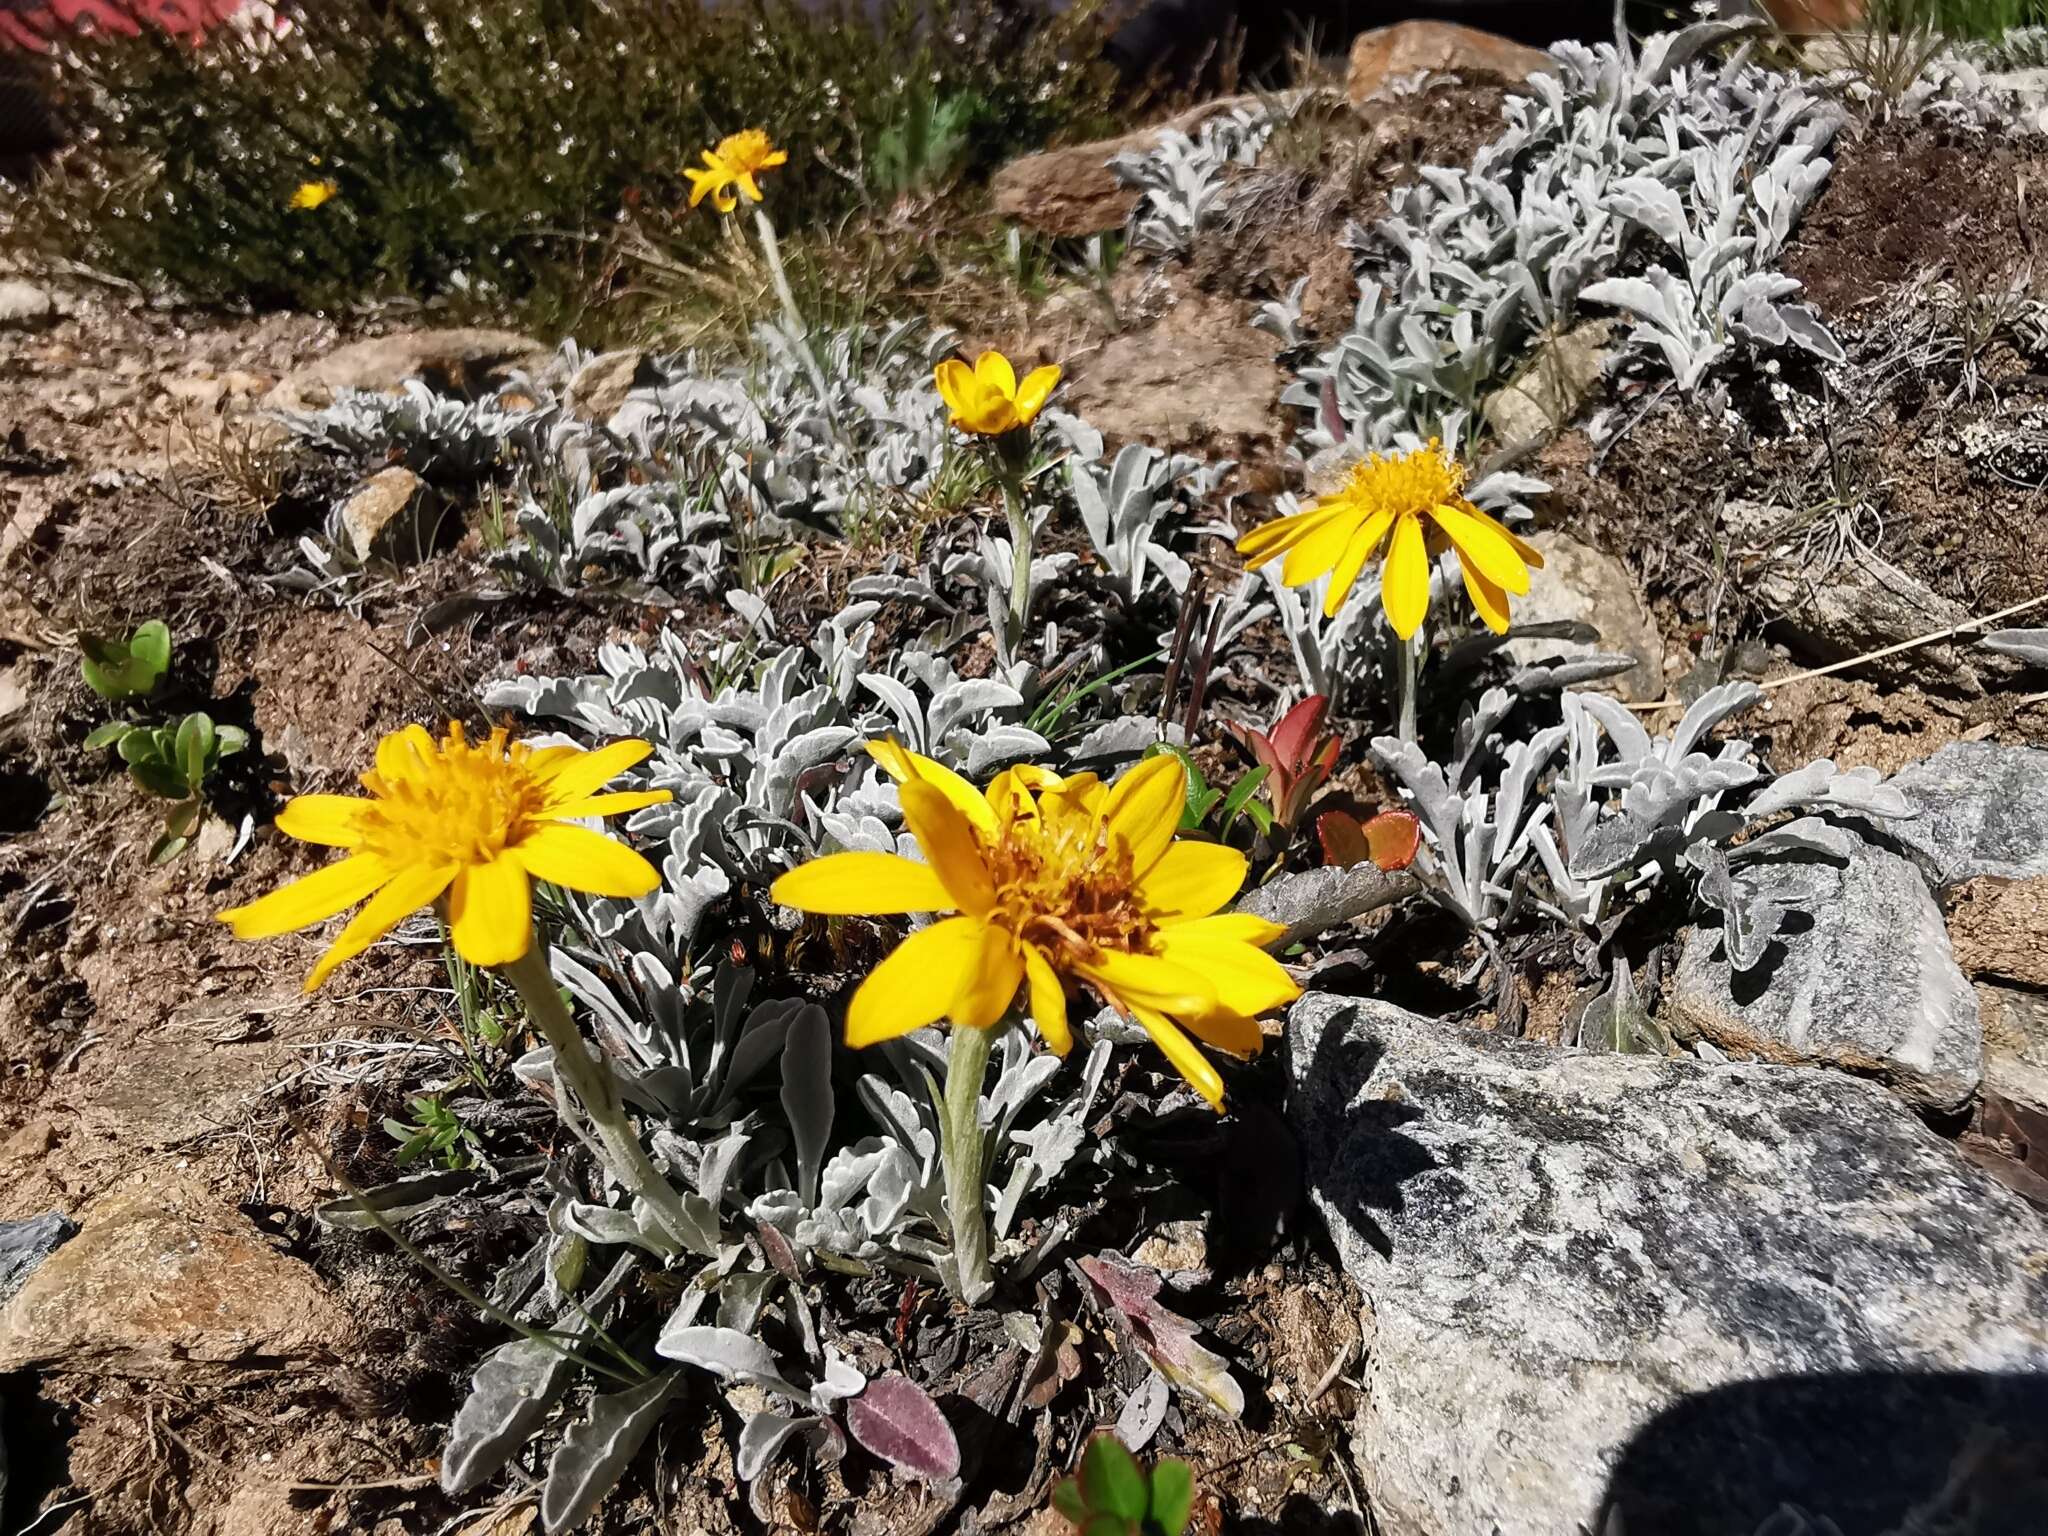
<point x="744" y="152"/>
<point x="1405" y="484"/>
<point x="464" y="805"/>
<point x="1061" y="886"/>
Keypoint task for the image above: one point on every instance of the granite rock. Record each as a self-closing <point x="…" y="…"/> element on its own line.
<point x="1861" y="977"/>
<point x="24" y="1244"/>
<point x="168" y="1290"/>
<point x="1631" y="1293"/>
<point x="1983" y="811"/>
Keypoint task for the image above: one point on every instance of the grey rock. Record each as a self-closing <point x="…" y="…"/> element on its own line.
<point x="1860" y="977"/>
<point x="25" y="1244"/>
<point x="24" y="306"/>
<point x="1644" y="1294"/>
<point x="1859" y="604"/>
<point x="1581" y="583"/>
<point x="1983" y="811"/>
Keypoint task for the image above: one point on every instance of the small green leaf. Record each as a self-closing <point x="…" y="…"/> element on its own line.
<point x="1111" y="1481"/>
<point x="157" y="777"/>
<point x="107" y="735"/>
<point x="166" y="848"/>
<point x="1241" y="793"/>
<point x="1109" y="1525"/>
<point x="1069" y="1501"/>
<point x="183" y="819"/>
<point x="150" y="646"/>
<point x="229" y="739"/>
<point x="1172" y="1499"/>
<point x="139" y="745"/>
<point x="195" y="748"/>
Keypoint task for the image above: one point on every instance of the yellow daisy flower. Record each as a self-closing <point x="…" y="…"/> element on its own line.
<point x="311" y="194"/>
<point x="987" y="398"/>
<point x="477" y="823"/>
<point x="1415" y="504"/>
<point x="1055" y="881"/>
<point x="737" y="160"/>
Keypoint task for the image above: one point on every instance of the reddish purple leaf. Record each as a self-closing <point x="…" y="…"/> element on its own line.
<point x="1167" y="1338"/>
<point x="896" y="1420"/>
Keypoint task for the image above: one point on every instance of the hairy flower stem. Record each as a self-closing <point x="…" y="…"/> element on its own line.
<point x="1017" y="622"/>
<point x="577" y="1070"/>
<point x="1405" y="680"/>
<point x="960" y="1150"/>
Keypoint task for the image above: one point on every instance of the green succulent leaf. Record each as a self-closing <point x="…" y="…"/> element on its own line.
<point x="128" y="669"/>
<point x="107" y="735"/>
<point x="1068" y="1499"/>
<point x="1172" y="1498"/>
<point x="1109" y="1525"/>
<point x="1111" y="1481"/>
<point x="167" y="848"/>
<point x="156" y="776"/>
<point x="229" y="739"/>
<point x="194" y="751"/>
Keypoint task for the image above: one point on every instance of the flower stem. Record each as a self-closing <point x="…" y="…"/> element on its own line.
<point x="1019" y="618"/>
<point x="772" y="249"/>
<point x="1405" y="680"/>
<point x="582" y="1073"/>
<point x="960" y="1150"/>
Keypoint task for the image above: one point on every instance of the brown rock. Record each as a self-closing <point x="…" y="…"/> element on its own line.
<point x="1551" y="387"/>
<point x="2015" y="1042"/>
<point x="1197" y="375"/>
<point x="1440" y="47"/>
<point x="1072" y="192"/>
<point x="376" y="510"/>
<point x="601" y="385"/>
<point x="467" y="362"/>
<point x="1997" y="928"/>
<point x="153" y="1291"/>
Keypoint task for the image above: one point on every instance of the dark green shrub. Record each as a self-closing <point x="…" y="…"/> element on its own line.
<point x="490" y="149"/>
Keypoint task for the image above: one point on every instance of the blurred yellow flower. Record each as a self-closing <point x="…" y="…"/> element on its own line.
<point x="987" y="398"/>
<point x="311" y="194"/>
<point x="737" y="160"/>
<point x="476" y="822"/>
<point x="1415" y="504"/>
<point x="1055" y="881"/>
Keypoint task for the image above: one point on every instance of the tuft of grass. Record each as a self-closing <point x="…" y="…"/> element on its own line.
<point x="492" y="153"/>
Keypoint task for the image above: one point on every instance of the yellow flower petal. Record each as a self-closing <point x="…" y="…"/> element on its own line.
<point x="1226" y="1031"/>
<point x="862" y="884"/>
<point x="996" y="374"/>
<point x="1484" y="545"/>
<point x="1187" y="1060"/>
<point x="582" y="860"/>
<point x="403" y="755"/>
<point x="1488" y="599"/>
<point x="1048" y="1001"/>
<point x="334" y="821"/>
<point x="1192" y="880"/>
<point x="949" y="845"/>
<point x="311" y="899"/>
<point x="617" y="803"/>
<point x="1345" y="574"/>
<point x="991" y="982"/>
<point x="1283" y="533"/>
<point x="916" y="984"/>
<point x="903" y="765"/>
<point x="1144" y="810"/>
<point x="490" y="912"/>
<point x="1247" y="979"/>
<point x="1148" y="981"/>
<point x="412" y="888"/>
<point x="956" y="385"/>
<point x="1320" y="547"/>
<point x="1404" y="581"/>
<point x="1036" y="389"/>
<point x="579" y="777"/>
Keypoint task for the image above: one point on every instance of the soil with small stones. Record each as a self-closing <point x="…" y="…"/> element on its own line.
<point x="141" y="1038"/>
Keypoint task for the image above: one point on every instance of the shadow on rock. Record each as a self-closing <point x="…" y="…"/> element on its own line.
<point x="1373" y="1158"/>
<point x="1962" y="1452"/>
